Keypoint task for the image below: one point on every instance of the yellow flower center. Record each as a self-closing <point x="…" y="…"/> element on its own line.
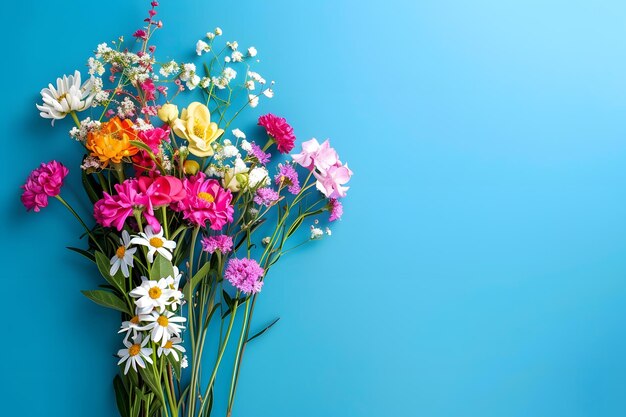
<point x="168" y="345"/>
<point x="163" y="321"/>
<point x="135" y="320"/>
<point x="198" y="128"/>
<point x="120" y="252"/>
<point x="134" y="350"/>
<point x="154" y="292"/>
<point x="156" y="242"/>
<point x="206" y="197"/>
<point x="61" y="97"/>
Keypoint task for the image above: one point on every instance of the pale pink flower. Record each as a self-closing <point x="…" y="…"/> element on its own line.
<point x="318" y="156"/>
<point x="331" y="182"/>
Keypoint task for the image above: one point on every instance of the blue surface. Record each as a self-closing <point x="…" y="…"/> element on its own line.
<point x="479" y="269"/>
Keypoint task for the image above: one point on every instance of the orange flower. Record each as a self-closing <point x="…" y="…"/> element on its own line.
<point x="111" y="142"/>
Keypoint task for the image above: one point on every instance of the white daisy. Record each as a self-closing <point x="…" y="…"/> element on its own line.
<point x="123" y="256"/>
<point x="135" y="353"/>
<point x="174" y="284"/>
<point x="130" y="327"/>
<point x="170" y="347"/>
<point x="155" y="243"/>
<point x="152" y="295"/>
<point x="163" y="325"/>
<point x="68" y="96"/>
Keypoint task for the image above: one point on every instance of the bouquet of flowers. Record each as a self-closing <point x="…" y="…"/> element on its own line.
<point x="188" y="222"/>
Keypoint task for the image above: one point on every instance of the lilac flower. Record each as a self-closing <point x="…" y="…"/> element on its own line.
<point x="223" y="243"/>
<point x="244" y="274"/>
<point x="265" y="196"/>
<point x="288" y="176"/>
<point x="258" y="153"/>
<point x="336" y="209"/>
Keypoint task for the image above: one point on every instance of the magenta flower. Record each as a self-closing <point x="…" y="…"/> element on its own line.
<point x="265" y="196"/>
<point x="43" y="182"/>
<point x="154" y="137"/>
<point x="318" y="156"/>
<point x="140" y="34"/>
<point x="113" y="210"/>
<point x="148" y="89"/>
<point x="279" y="131"/>
<point x="162" y="190"/>
<point x="244" y="274"/>
<point x="336" y="209"/>
<point x="223" y="243"/>
<point x="287" y="176"/>
<point x="205" y="200"/>
<point x="331" y="182"/>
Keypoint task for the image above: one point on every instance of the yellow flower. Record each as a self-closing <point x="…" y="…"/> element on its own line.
<point x="195" y="125"/>
<point x="191" y="167"/>
<point x="168" y="113"/>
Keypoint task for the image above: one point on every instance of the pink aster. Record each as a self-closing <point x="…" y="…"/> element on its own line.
<point x="279" y="131"/>
<point x="331" y="183"/>
<point x="205" y="200"/>
<point x="287" y="176"/>
<point x="244" y="274"/>
<point x="336" y="209"/>
<point x="113" y="210"/>
<point x="315" y="155"/>
<point x="223" y="243"/>
<point x="43" y="182"/>
<point x="265" y="196"/>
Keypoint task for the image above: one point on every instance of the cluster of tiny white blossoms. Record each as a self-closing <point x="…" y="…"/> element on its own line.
<point x="317" y="232"/>
<point x="155" y="324"/>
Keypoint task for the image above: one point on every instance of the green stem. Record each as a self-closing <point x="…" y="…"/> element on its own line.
<point x="242" y="337"/>
<point x="58" y="197"/>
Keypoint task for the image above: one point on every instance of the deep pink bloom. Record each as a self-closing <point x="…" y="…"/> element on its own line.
<point x="331" y="183"/>
<point x="140" y="34"/>
<point x="287" y="176"/>
<point x="154" y="137"/>
<point x="205" y="201"/>
<point x="279" y="130"/>
<point x="148" y="88"/>
<point x="162" y="89"/>
<point x="162" y="190"/>
<point x="336" y="209"/>
<point x="265" y="196"/>
<point x="43" y="182"/>
<point x="142" y="162"/>
<point x="258" y="153"/>
<point x="244" y="274"/>
<point x="223" y="243"/>
<point x="113" y="210"/>
<point x="318" y="156"/>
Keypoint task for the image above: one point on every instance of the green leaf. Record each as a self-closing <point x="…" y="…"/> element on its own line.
<point x="104" y="266"/>
<point x="195" y="280"/>
<point x="141" y="145"/>
<point x="161" y="268"/>
<point x="257" y="334"/>
<point x="107" y="299"/>
<point x="151" y="381"/>
<point x="84" y="253"/>
<point x="121" y="397"/>
<point x="92" y="188"/>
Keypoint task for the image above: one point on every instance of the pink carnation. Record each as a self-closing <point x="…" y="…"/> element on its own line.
<point x="113" y="210"/>
<point x="223" y="243"/>
<point x="336" y="209"/>
<point x="315" y="155"/>
<point x="279" y="130"/>
<point x="331" y="182"/>
<point x="43" y="182"/>
<point x="205" y="201"/>
<point x="244" y="274"/>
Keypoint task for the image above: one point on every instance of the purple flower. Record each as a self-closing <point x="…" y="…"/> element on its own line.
<point x="258" y="153"/>
<point x="223" y="243"/>
<point x="265" y="196"/>
<point x="244" y="274"/>
<point x="288" y="176"/>
<point x="336" y="209"/>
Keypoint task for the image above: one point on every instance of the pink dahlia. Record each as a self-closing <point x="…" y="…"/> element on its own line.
<point x="206" y="200"/>
<point x="279" y="131"/>
<point x="331" y="183"/>
<point x="223" y="243"/>
<point x="336" y="209"/>
<point x="43" y="182"/>
<point x="244" y="274"/>
<point x="162" y="190"/>
<point x="113" y="210"/>
<point x="288" y="177"/>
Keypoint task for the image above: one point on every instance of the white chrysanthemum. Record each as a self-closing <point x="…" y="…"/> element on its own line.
<point x="152" y="295"/>
<point x="123" y="257"/>
<point x="130" y="327"/>
<point x="202" y="46"/>
<point x="171" y="347"/>
<point x="239" y="134"/>
<point x="135" y="353"/>
<point x="163" y="326"/>
<point x="155" y="242"/>
<point x="69" y="96"/>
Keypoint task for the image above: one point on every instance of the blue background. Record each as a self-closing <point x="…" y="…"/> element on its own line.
<point x="479" y="269"/>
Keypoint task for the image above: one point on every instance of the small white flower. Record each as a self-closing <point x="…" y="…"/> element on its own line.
<point x="237" y="56"/>
<point x="170" y="348"/>
<point x="316" y="233"/>
<point x="239" y="134"/>
<point x="230" y="151"/>
<point x="68" y="96"/>
<point x="328" y="231"/>
<point x="226" y="59"/>
<point x="249" y="85"/>
<point x="135" y="353"/>
<point x="233" y="45"/>
<point x="202" y="46"/>
<point x="258" y="176"/>
<point x="184" y="363"/>
<point x="123" y="256"/>
<point x="155" y="242"/>
<point x="130" y="327"/>
<point x="253" y="100"/>
<point x="218" y="31"/>
<point x="163" y="326"/>
<point x="266" y="241"/>
<point x="229" y="73"/>
<point x="252" y="51"/>
<point x="152" y="295"/>
<point x="210" y="35"/>
<point x="268" y="92"/>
